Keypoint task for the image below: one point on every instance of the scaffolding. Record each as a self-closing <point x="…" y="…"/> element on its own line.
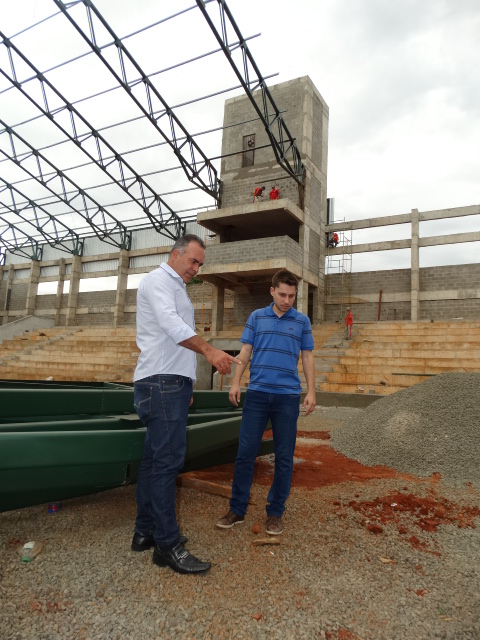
<point x="339" y="294"/>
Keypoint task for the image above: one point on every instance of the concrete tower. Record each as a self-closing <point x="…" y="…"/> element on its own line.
<point x="251" y="241"/>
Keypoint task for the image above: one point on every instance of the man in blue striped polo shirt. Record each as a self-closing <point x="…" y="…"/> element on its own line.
<point x="276" y="335"/>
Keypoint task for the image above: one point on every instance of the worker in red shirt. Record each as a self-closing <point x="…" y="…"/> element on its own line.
<point x="332" y="239"/>
<point x="258" y="193"/>
<point x="274" y="193"/>
<point x="348" y="324"/>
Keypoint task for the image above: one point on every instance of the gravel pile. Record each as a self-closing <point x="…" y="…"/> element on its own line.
<point x="432" y="427"/>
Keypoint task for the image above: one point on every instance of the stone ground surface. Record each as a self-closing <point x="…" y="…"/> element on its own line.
<point x="367" y="553"/>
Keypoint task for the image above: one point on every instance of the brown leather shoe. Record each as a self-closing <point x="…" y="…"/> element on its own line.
<point x="274" y="526"/>
<point x="230" y="519"/>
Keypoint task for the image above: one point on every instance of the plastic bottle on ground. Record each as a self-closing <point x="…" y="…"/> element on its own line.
<point x="30" y="550"/>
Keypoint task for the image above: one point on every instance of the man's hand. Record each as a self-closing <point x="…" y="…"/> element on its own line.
<point x="216" y="357"/>
<point x="234" y="394"/>
<point x="221" y="361"/>
<point x="309" y="403"/>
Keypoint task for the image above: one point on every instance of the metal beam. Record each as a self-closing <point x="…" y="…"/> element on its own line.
<point x="282" y="141"/>
<point x="103" y="223"/>
<point x="129" y="181"/>
<point x="18" y="246"/>
<point x="54" y="232"/>
<point x="197" y="167"/>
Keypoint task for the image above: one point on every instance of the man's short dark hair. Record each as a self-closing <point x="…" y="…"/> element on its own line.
<point x="284" y="277"/>
<point x="182" y="243"/>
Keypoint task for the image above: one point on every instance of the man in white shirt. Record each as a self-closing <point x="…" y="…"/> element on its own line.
<point x="163" y="382"/>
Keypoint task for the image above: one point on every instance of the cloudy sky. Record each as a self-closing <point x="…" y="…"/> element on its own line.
<point x="400" y="78"/>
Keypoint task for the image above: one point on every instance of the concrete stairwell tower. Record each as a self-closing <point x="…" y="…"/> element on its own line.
<point x="249" y="242"/>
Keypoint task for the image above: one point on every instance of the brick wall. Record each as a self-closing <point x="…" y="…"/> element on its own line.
<point x="251" y="250"/>
<point x="441" y="281"/>
<point x="99" y="305"/>
<point x="453" y="284"/>
<point x="258" y="296"/>
<point x="3" y="293"/>
<point x="18" y="297"/>
<point x="47" y="302"/>
<point x="290" y="98"/>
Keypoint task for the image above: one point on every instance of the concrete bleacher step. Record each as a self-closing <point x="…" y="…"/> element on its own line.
<point x="73" y="353"/>
<point x="381" y="358"/>
<point x="384" y="357"/>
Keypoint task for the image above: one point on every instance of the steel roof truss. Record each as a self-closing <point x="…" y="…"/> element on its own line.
<point x="55" y="233"/>
<point x="197" y="164"/>
<point x="283" y="144"/>
<point x="102" y="227"/>
<point x="158" y="220"/>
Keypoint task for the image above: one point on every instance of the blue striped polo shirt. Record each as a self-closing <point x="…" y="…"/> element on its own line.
<point x="277" y="343"/>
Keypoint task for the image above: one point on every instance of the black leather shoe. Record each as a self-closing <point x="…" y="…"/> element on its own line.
<point x="179" y="560"/>
<point x="144" y="542"/>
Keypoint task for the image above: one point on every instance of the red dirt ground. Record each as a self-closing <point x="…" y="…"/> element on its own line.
<point x="317" y="464"/>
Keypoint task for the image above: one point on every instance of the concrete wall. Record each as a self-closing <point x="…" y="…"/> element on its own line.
<point x="252" y="250"/>
<point x="446" y="292"/>
<point x="238" y="182"/>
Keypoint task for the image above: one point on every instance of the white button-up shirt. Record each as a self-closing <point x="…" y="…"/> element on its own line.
<point x="165" y="317"/>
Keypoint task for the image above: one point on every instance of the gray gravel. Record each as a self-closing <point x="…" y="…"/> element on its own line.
<point x="432" y="427"/>
<point x="325" y="580"/>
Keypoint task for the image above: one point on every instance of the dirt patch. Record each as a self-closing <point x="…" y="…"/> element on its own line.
<point x="316" y="465"/>
<point x="317" y="435"/>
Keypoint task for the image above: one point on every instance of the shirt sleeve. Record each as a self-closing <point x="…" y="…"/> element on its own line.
<point x="162" y="298"/>
<point x="248" y="333"/>
<point x="307" y="336"/>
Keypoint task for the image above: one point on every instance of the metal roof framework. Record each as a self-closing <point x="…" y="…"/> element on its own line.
<point x="78" y="178"/>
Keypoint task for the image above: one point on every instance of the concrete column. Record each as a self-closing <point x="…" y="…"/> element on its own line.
<point x="32" y="288"/>
<point x="415" y="267"/>
<point x="302" y="297"/>
<point x="8" y="293"/>
<point x="218" y="304"/>
<point x="71" y="319"/>
<point x="316" y="307"/>
<point x="122" y="277"/>
<point x="60" y="285"/>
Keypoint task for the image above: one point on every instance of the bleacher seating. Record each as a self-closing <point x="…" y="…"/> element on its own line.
<point x="381" y="358"/>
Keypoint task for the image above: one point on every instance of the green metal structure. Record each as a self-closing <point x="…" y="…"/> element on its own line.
<point x="59" y="441"/>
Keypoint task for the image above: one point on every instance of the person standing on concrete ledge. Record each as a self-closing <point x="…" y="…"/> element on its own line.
<point x="258" y="193"/>
<point x="163" y="386"/>
<point x="348" y="324"/>
<point x="274" y="193"/>
<point x="275" y="335"/>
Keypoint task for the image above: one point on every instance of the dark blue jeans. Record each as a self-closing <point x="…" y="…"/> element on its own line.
<point x="283" y="410"/>
<point x="161" y="402"/>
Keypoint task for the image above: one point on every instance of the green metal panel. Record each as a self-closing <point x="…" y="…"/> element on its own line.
<point x="38" y="467"/>
<point x="39" y="401"/>
<point x="66" y="440"/>
<point x="90" y="423"/>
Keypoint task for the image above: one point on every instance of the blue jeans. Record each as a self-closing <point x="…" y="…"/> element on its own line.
<point x="283" y="410"/>
<point x="161" y="402"/>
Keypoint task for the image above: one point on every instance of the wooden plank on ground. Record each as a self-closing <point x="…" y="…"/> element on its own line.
<point x="205" y="485"/>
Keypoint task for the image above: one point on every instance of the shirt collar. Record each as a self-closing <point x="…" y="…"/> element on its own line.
<point x="171" y="272"/>
<point x="287" y="314"/>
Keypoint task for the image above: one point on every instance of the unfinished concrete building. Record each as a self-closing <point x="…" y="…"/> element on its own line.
<point x="249" y="241"/>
